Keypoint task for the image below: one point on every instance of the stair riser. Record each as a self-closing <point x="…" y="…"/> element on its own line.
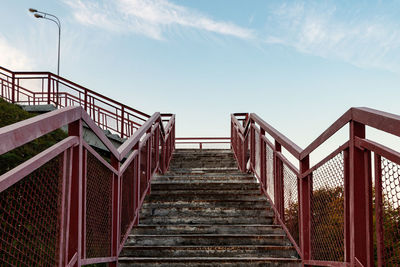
<point x="204" y="241"/>
<point x="217" y="192"/>
<point x="207" y="204"/>
<point x="276" y="252"/>
<point x="205" y="186"/>
<point x="159" y="220"/>
<point x="199" y="171"/>
<point x="204" y="197"/>
<point x="230" y="263"/>
<point x="206" y="229"/>
<point x="204" y="212"/>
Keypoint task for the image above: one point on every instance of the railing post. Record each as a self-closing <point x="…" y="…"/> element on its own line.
<point x="278" y="183"/>
<point x="346" y="197"/>
<point x="380" y="245"/>
<point x="136" y="191"/>
<point x="122" y="121"/>
<point x="263" y="165"/>
<point x="13" y="88"/>
<point x="244" y="152"/>
<point x="74" y="232"/>
<point x="116" y="211"/>
<point x="148" y="147"/>
<point x="305" y="189"/>
<point x="48" y="88"/>
<point x="252" y="145"/>
<point x="360" y="216"/>
<point x="85" y="100"/>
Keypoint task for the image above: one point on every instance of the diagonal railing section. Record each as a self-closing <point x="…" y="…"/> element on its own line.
<point x="343" y="210"/>
<point x="42" y="88"/>
<point x="69" y="205"/>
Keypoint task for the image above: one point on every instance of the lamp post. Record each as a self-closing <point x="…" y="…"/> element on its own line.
<point x="44" y="15"/>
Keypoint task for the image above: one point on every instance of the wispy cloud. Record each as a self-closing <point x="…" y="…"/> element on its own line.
<point x="13" y="58"/>
<point x="152" y="18"/>
<point x="323" y="30"/>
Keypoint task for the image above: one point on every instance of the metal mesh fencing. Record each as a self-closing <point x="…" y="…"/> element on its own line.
<point x="30" y="218"/>
<point x="327" y="220"/>
<point x="291" y="202"/>
<point x="391" y="212"/>
<point x="128" y="198"/>
<point x="98" y="208"/>
<point x="270" y="171"/>
<point x="143" y="169"/>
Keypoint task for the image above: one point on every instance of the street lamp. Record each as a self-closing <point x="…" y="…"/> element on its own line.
<point x="44" y="15"/>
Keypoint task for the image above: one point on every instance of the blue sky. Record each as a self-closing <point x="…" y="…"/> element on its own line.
<point x="298" y="64"/>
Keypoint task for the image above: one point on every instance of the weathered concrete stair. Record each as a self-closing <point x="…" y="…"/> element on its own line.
<point x="204" y="212"/>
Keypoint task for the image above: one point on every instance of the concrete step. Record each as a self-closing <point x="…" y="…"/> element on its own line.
<point x="218" y="219"/>
<point x="193" y="170"/>
<point x="228" y="196"/>
<point x="206" y="211"/>
<point x="183" y="186"/>
<point x="207" y="229"/>
<point x="204" y="177"/>
<point x="199" y="191"/>
<point x="204" y="164"/>
<point x="210" y="251"/>
<point x="207" y="204"/>
<point x="207" y="240"/>
<point x="201" y="261"/>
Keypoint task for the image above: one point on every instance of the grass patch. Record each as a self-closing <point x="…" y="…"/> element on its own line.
<point x="9" y="114"/>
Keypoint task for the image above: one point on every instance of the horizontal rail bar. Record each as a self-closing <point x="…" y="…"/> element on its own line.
<point x="379" y="149"/>
<point x="22" y="132"/>
<point x="13" y="176"/>
<point x="290" y="146"/>
<point x="326" y="159"/>
<point x="202" y="138"/>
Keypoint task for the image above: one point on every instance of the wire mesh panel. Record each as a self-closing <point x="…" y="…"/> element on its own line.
<point x="327" y="220"/>
<point x="128" y="197"/>
<point x="143" y="168"/>
<point x="391" y="212"/>
<point x="98" y="208"/>
<point x="270" y="172"/>
<point x="291" y="202"/>
<point x="30" y="218"/>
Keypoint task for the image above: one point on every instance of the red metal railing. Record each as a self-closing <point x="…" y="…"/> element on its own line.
<point x="199" y="142"/>
<point x="344" y="210"/>
<point x="69" y="206"/>
<point x="39" y="88"/>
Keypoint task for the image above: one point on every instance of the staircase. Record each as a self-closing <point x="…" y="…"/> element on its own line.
<point x="204" y="212"/>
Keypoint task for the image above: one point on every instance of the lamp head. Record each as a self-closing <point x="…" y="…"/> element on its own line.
<point x="38" y="16"/>
<point x="32" y="10"/>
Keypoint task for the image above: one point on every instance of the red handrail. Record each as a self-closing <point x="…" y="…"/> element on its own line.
<point x="96" y="202"/>
<point x="296" y="193"/>
<point x="106" y="112"/>
<point x="200" y="141"/>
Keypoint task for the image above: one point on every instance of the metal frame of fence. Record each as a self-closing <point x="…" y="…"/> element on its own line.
<point x="86" y="217"/>
<point x="48" y="88"/>
<point x="336" y="196"/>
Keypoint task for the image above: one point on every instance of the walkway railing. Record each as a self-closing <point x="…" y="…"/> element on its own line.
<point x="199" y="142"/>
<point x="39" y="88"/>
<point x="344" y="210"/>
<point x="69" y="205"/>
